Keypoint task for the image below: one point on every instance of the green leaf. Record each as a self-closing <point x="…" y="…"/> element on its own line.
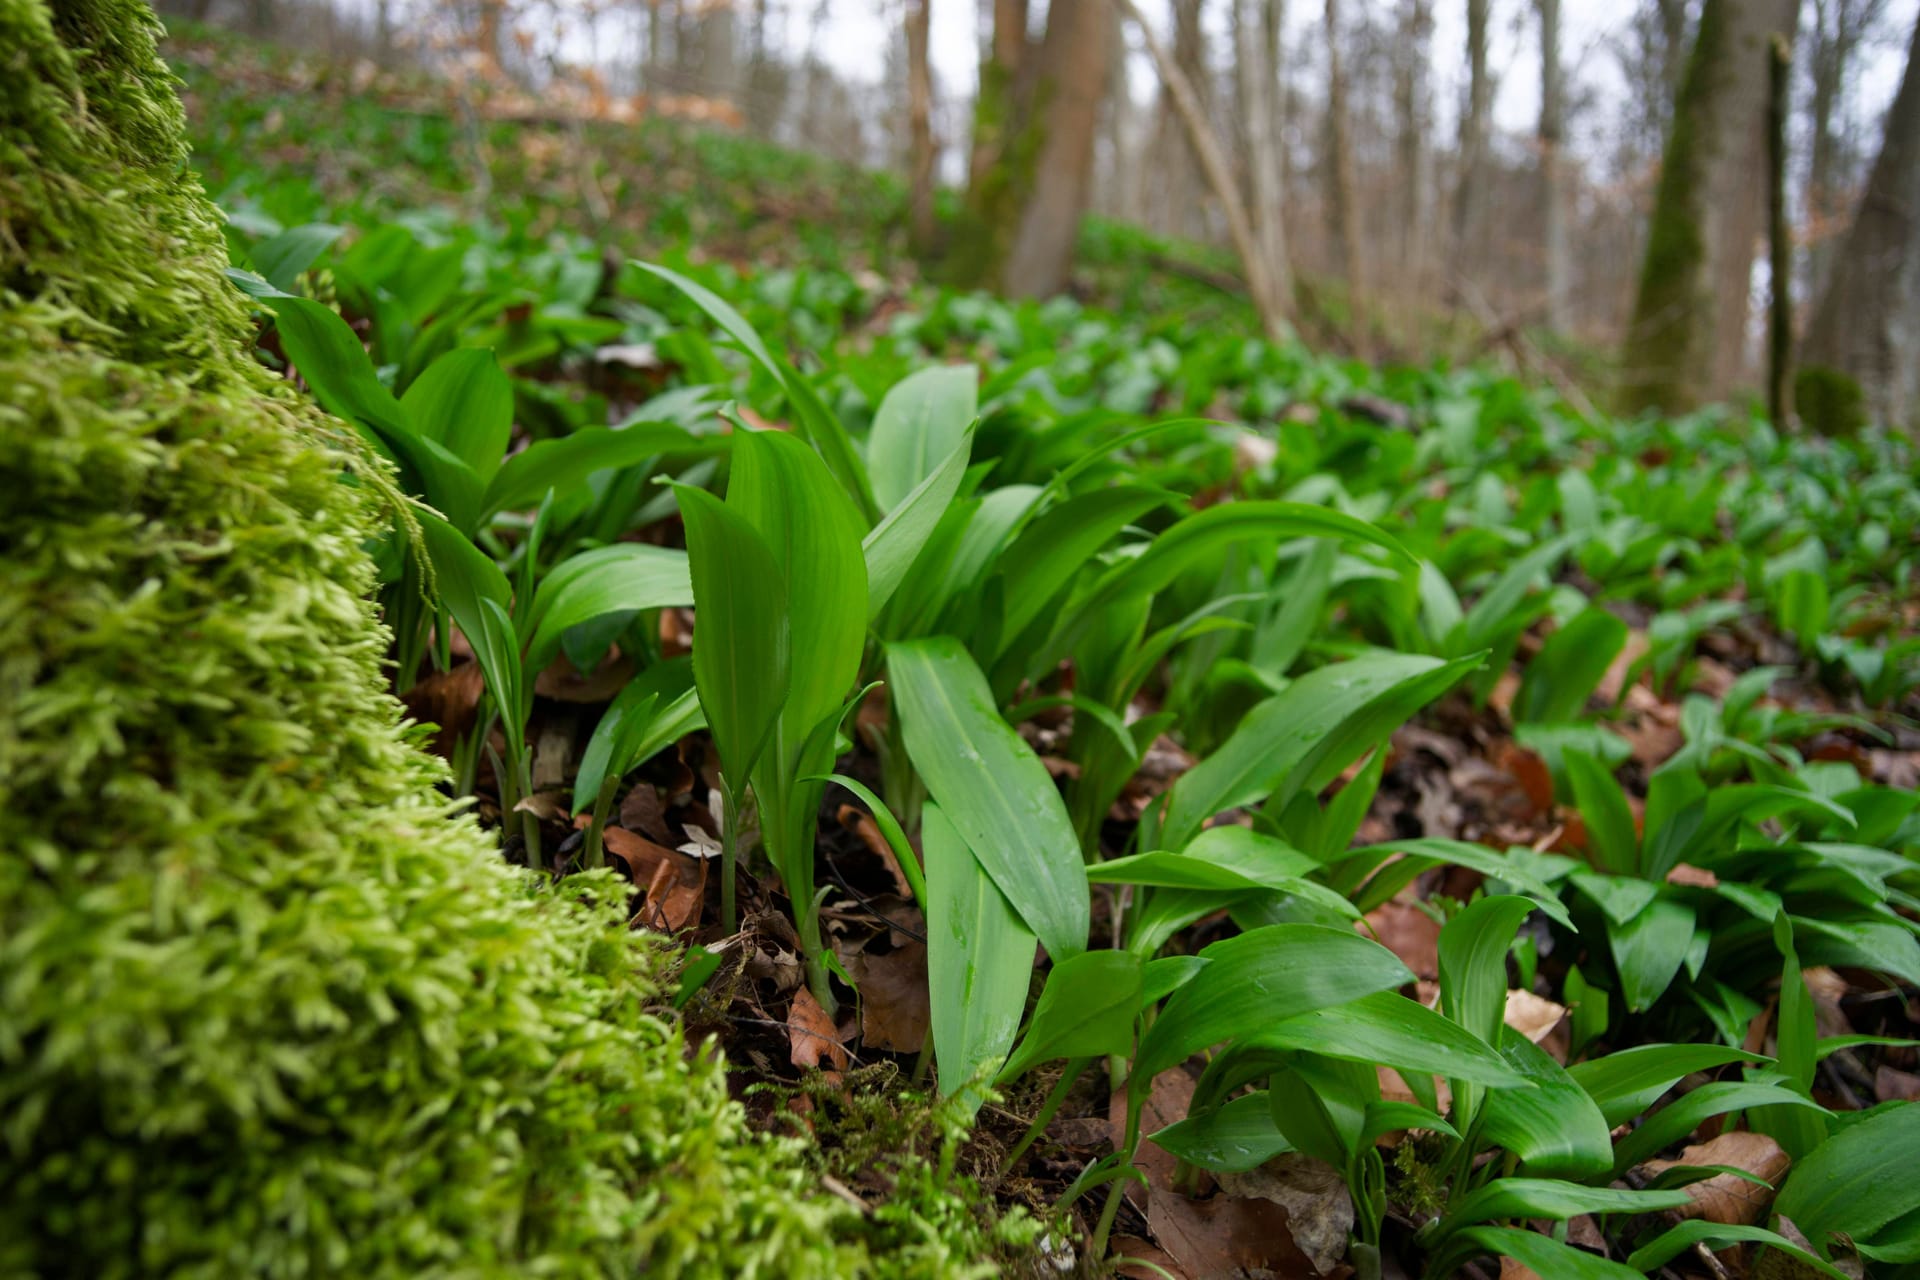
<point x="920" y="422"/>
<point x="1493" y="612"/>
<point x="1086" y="1010"/>
<point x="329" y="356"/>
<point x="1683" y="1115"/>
<point x="890" y="830"/>
<point x="563" y="464"/>
<point x="1390" y="1030"/>
<point x="994" y="789"/>
<point x="1473" y="963"/>
<point x="1320" y="1105"/>
<point x="1649" y="949"/>
<point x="1261" y="977"/>
<point x="1428" y="851"/>
<point x="979" y="959"/>
<point x="742" y="639"/>
<point x="1554" y="1127"/>
<point x="813" y="419"/>
<point x="1858" y="1180"/>
<point x="1550" y="1198"/>
<point x="1232" y="1138"/>
<point x="1541" y="1254"/>
<point x="1625" y="1083"/>
<point x="1392" y="1117"/>
<point x="1057" y="546"/>
<point x="658" y="706"/>
<point x="281" y="258"/>
<point x="627" y="577"/>
<point x="464" y="402"/>
<point x="1304" y="736"/>
<point x="1603" y="807"/>
<point x="896" y="542"/>
<point x="1223" y="857"/>
<point x="1672" y="1243"/>
<point x="1563" y="674"/>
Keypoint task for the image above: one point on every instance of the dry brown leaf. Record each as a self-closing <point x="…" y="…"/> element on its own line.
<point x="447" y="699"/>
<point x="675" y="893"/>
<point x="641" y="855"/>
<point x="1504" y="690"/>
<point x="1409" y="933"/>
<point x="1726" y="1198"/>
<point x="1692" y="876"/>
<point x="1892" y="1085"/>
<point x="642" y="810"/>
<point x="1150" y="1261"/>
<point x="1530" y="771"/>
<point x="811" y="1035"/>
<point x="1394" y="1089"/>
<point x="1511" y="1270"/>
<point x="893" y="998"/>
<point x="1615" y="679"/>
<point x="563" y="682"/>
<point x="1532" y="1016"/>
<point x="548" y="806"/>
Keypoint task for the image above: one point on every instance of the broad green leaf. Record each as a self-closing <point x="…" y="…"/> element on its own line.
<point x="742" y="639"/>
<point x="658" y="706"/>
<point x="475" y="594"/>
<point x="1683" y="1115"/>
<point x="1259" y="978"/>
<point x="1625" y="1083"/>
<point x="1550" y="1198"/>
<point x="1541" y="1254"/>
<point x="1390" y="1030"/>
<point x="979" y="959"/>
<point x="1554" y="1127"/>
<point x="993" y="788"/>
<point x="282" y="257"/>
<point x="1858" y="1180"/>
<point x="1428" y="851"/>
<point x="1611" y="840"/>
<point x="921" y="421"/>
<point x="1563" y="674"/>
<point x="1232" y="1138"/>
<point x="1320" y="1105"/>
<point x="627" y="577"/>
<point x="464" y="402"/>
<point x="893" y="544"/>
<point x="1223" y="857"/>
<point x="1058" y="545"/>
<point x="1671" y="1243"/>
<point x="1649" y="949"/>
<point x="1493" y="611"/>
<point x="1306" y="735"/>
<point x="1280" y="636"/>
<point x="1473" y="964"/>
<point x="329" y="356"/>
<point x="1086" y="1010"/>
<point x="819" y="425"/>
<point x="1796" y="1037"/>
<point x="1620" y="898"/>
<point x="1393" y="1117"/>
<point x="563" y="464"/>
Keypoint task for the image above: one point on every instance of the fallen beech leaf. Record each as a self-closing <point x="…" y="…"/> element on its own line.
<point x="1511" y="1270"/>
<point x="811" y="1035"/>
<point x="563" y="682"/>
<point x="675" y="893"/>
<point x="447" y="699"/>
<point x="1409" y="933"/>
<point x="642" y="810"/>
<point x="1314" y="1194"/>
<point x="1530" y="1015"/>
<point x="861" y="823"/>
<point x="1149" y="1261"/>
<point x="641" y="855"/>
<point x="1726" y="1198"/>
<point x="548" y="806"/>
<point x="1693" y="877"/>
<point x="1394" y="1089"/>
<point x="1615" y="680"/>
<point x="893" y="998"/>
<point x="1890" y="1085"/>
<point x="1530" y="771"/>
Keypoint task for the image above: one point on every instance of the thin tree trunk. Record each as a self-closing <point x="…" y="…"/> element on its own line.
<point x="1006" y="56"/>
<point x="1343" y="222"/>
<point x="1059" y="128"/>
<point x="1552" y="187"/>
<point x="1410" y="124"/>
<point x="1470" y="195"/>
<point x="1687" y="339"/>
<point x="1867" y="327"/>
<point x="1258" y="24"/>
<point x="1219" y="175"/>
<point x="920" y="229"/>
<point x="1779" y="240"/>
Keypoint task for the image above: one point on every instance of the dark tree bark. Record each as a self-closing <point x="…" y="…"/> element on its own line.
<point x="1867" y="326"/>
<point x="920" y="158"/>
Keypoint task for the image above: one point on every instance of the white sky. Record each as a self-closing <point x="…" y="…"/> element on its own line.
<point x="857" y="31"/>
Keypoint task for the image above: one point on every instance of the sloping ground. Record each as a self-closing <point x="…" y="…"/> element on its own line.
<point x="268" y="1009"/>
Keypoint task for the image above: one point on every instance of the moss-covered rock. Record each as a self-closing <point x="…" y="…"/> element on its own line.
<point x="266" y="1007"/>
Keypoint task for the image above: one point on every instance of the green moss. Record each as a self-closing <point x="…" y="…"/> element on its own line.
<point x="267" y="1007"/>
<point x="1828" y="401"/>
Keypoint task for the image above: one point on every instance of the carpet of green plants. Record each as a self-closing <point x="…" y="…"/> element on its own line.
<point x="1182" y="756"/>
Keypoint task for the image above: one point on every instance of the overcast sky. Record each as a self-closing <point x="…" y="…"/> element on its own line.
<point x="855" y="40"/>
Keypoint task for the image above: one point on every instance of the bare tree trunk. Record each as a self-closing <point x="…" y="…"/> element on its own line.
<point x="1470" y="196"/>
<point x="1839" y="28"/>
<point x="1343" y="223"/>
<point x="1687" y="340"/>
<point x="1867" y="327"/>
<point x="1410" y="124"/>
<point x="1552" y="187"/>
<point x="1219" y="174"/>
<point x="1779" y="239"/>
<point x="993" y="108"/>
<point x="1179" y="197"/>
<point x="1258" y="24"/>
<point x="920" y="128"/>
<point x="719" y="68"/>
<point x="1034" y="194"/>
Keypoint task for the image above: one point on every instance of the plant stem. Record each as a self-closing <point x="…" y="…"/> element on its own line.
<point x="729" y="856"/>
<point x="595" y="852"/>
